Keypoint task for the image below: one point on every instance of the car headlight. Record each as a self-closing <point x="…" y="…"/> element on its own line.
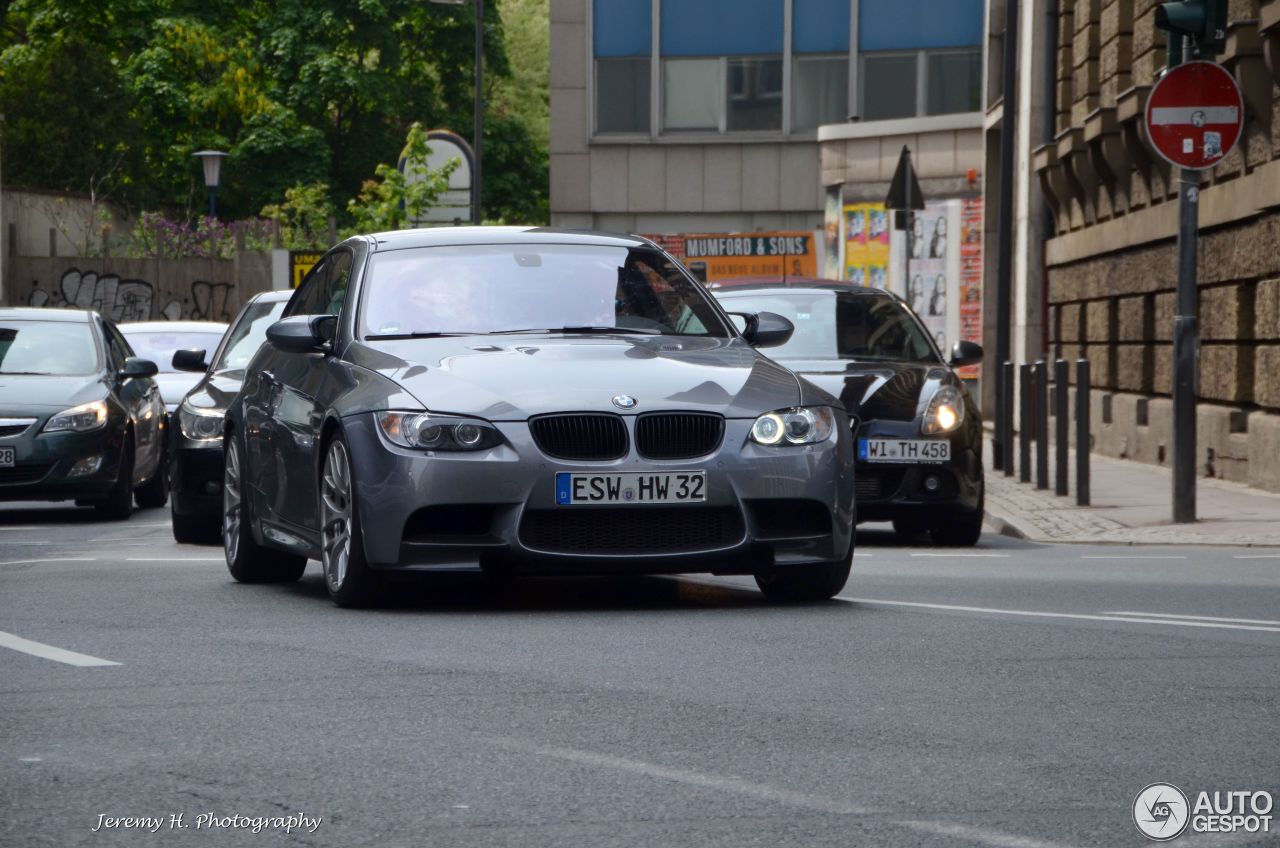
<point x="84" y="418"/>
<point x="800" y="425"/>
<point x="427" y="431"/>
<point x="945" y="412"/>
<point x="200" y="425"/>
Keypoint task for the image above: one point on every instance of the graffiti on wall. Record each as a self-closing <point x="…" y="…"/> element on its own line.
<point x="131" y="299"/>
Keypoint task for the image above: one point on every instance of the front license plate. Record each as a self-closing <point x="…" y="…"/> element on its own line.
<point x="685" y="487"/>
<point x="7" y="457"/>
<point x="904" y="450"/>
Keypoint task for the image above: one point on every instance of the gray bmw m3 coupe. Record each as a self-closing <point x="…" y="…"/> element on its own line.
<point x="529" y="401"/>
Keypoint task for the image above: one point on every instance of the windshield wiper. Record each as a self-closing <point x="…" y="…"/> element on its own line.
<point x="396" y="336"/>
<point x="585" y="330"/>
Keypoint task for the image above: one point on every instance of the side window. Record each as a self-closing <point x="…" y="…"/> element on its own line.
<point x="117" y="348"/>
<point x="339" y="279"/>
<point x="312" y="295"/>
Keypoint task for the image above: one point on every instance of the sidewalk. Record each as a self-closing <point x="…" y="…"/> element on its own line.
<point x="1132" y="504"/>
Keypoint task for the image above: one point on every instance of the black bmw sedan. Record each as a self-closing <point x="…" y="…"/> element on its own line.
<point x="515" y="400"/>
<point x="195" y="463"/>
<point x="80" y="416"/>
<point x="919" y="431"/>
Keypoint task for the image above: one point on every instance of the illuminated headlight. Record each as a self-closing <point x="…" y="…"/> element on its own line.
<point x="200" y="425"/>
<point x="802" y="425"/>
<point x="426" y="431"/>
<point x="79" y="419"/>
<point x="945" y="412"/>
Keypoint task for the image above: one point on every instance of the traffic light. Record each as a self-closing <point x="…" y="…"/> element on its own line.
<point x="1204" y="21"/>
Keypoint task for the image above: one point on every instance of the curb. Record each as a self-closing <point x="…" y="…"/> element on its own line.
<point x="1005" y="527"/>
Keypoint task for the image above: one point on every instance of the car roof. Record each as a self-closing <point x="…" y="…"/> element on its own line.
<point x="455" y="236"/>
<point x="273" y="296"/>
<point x="172" y="327"/>
<point x="777" y="286"/>
<point x="32" y="313"/>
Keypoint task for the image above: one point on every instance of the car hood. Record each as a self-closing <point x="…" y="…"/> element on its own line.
<point x="889" y="391"/>
<point x="21" y="393"/>
<point x="173" y="385"/>
<point x="512" y="378"/>
<point x="215" y="391"/>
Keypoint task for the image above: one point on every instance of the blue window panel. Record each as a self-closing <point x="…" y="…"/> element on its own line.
<point x="917" y="24"/>
<point x="820" y="26"/>
<point x="722" y="27"/>
<point x="622" y="28"/>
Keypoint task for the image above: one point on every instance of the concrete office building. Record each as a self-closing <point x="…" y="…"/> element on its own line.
<point x="688" y="116"/>
<point x="1096" y="214"/>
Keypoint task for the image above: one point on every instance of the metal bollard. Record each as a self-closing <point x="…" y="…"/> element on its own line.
<point x="1024" y="425"/>
<point x="1083" y="445"/>
<point x="1061" y="419"/>
<point x="1006" y="438"/>
<point x="1041" y="378"/>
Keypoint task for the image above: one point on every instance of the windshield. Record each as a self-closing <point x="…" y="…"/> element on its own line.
<point x="248" y="334"/>
<point x="47" y="347"/>
<point x="840" y="326"/>
<point x="159" y="347"/>
<point x="481" y="289"/>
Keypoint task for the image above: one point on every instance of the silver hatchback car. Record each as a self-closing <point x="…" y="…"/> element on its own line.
<point x="515" y="400"/>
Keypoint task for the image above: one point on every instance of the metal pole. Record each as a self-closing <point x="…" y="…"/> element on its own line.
<point x="477" y="131"/>
<point x="1042" y="424"/>
<point x="1061" y="420"/>
<point x="213" y="202"/>
<point x="1004" y="235"/>
<point x="1083" y="441"/>
<point x="1186" y="352"/>
<point x="1024" y="425"/>
<point x="1006" y="444"/>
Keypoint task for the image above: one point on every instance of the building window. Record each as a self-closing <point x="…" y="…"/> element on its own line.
<point x="622" y="38"/>
<point x="622" y="95"/>
<point x="691" y="94"/>
<point x="899" y="84"/>
<point x="819" y="91"/>
<point x="755" y="95"/>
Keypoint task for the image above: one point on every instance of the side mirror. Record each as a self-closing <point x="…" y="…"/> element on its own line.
<point x="137" y="367"/>
<point x="966" y="353"/>
<point x="190" y="360"/>
<point x="303" y="333"/>
<point x="766" y="329"/>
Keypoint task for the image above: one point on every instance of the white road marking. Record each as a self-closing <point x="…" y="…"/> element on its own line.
<point x="1136" y="556"/>
<point x="175" y="559"/>
<point x="27" y="527"/>
<point x="1257" y="556"/>
<point x="49" y="652"/>
<point x="49" y="559"/>
<point x="30" y="760"/>
<point x="733" y="785"/>
<point x="955" y="554"/>
<point x="980" y="835"/>
<point x="1200" y="618"/>
<point x="1064" y="615"/>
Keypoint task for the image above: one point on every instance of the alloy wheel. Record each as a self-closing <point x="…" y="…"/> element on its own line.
<point x="335" y="515"/>
<point x="231" y="503"/>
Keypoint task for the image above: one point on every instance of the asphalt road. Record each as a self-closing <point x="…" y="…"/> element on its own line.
<point x="1013" y="695"/>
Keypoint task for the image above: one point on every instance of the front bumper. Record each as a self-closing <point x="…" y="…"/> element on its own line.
<point x="496" y="509"/>
<point x="887" y="491"/>
<point x="43" y="464"/>
<point x="195" y="482"/>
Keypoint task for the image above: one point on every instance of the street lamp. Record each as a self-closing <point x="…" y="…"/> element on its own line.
<point x="477" y="140"/>
<point x="212" y="162"/>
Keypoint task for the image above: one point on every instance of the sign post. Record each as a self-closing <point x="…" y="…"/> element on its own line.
<point x="1194" y="118"/>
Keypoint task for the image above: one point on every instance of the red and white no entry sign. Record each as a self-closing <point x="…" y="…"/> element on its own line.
<point x="1195" y="115"/>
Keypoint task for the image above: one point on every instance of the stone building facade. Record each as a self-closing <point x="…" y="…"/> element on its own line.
<point x="1110" y="258"/>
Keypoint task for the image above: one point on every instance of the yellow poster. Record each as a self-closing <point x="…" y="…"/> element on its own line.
<point x="866" y="244"/>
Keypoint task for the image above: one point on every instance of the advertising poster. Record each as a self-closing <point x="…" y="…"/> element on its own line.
<point x="831" y="232"/>
<point x="866" y="244"/>
<point x="931" y="281"/>
<point x="720" y="256"/>
<point x="971" y="278"/>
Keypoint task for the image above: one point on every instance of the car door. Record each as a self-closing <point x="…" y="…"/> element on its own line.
<point x="305" y="381"/>
<point x="141" y="398"/>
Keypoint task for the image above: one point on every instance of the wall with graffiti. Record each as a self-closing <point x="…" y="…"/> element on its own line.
<point x="139" y="290"/>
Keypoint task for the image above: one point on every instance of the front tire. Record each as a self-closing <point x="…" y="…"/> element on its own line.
<point x="118" y="505"/>
<point x="155" y="492"/>
<point x="962" y="529"/>
<point x="805" y="583"/>
<point x="195" y="529"/>
<point x="248" y="561"/>
<point x="347" y="575"/>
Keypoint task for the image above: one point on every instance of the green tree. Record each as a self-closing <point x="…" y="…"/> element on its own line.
<point x="398" y="195"/>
